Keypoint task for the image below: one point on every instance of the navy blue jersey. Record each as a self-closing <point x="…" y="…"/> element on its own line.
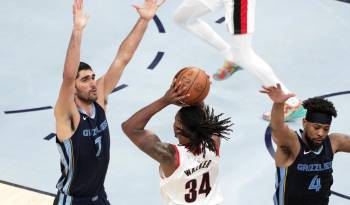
<point x="85" y="156"/>
<point x="309" y="179"/>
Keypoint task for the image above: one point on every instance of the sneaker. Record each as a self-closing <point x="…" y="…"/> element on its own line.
<point x="226" y="71"/>
<point x="291" y="113"/>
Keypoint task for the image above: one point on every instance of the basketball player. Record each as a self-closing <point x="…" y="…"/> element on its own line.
<point x="82" y="130"/>
<point x="239" y="53"/>
<point x="304" y="158"/>
<point x="188" y="170"/>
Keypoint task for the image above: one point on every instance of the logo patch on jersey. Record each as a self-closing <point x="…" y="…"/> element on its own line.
<point x="95" y="131"/>
<point x="314" y="167"/>
<point x="315" y="152"/>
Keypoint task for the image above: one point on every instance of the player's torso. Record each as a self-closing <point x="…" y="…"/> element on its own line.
<point x="308" y="180"/>
<point x="85" y="156"/>
<point x="195" y="181"/>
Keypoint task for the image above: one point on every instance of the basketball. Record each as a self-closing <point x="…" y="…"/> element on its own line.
<point x="197" y="84"/>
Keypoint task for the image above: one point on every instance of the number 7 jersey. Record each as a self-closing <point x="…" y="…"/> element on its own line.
<point x="195" y="181"/>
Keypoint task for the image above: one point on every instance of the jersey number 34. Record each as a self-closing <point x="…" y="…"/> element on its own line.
<point x="204" y="188"/>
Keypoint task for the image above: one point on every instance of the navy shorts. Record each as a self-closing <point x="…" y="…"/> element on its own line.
<point x="63" y="199"/>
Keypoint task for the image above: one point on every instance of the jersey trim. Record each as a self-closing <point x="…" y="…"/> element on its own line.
<point x="177" y="156"/>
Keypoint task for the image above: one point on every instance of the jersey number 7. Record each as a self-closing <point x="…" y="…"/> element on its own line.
<point x="204" y="188"/>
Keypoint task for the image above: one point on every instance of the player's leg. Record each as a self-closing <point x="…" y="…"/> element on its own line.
<point x="188" y="16"/>
<point x="240" y="23"/>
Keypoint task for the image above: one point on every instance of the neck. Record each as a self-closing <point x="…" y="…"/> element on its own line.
<point x="183" y="140"/>
<point x="309" y="144"/>
<point x="84" y="105"/>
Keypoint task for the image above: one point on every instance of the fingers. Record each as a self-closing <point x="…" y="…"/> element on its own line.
<point x="182" y="104"/>
<point x="177" y="86"/>
<point x="264" y="91"/>
<point x="74" y="9"/>
<point x="182" y="97"/>
<point x="159" y="3"/>
<point x="137" y="7"/>
<point x="278" y="86"/>
<point x="80" y="4"/>
<point x="273" y="87"/>
<point x="173" y="83"/>
<point x="77" y="6"/>
<point x="289" y="95"/>
<point x="267" y="89"/>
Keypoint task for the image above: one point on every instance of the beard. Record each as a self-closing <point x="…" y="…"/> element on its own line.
<point x="311" y="144"/>
<point x="87" y="99"/>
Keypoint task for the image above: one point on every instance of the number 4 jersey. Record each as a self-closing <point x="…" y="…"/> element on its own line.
<point x="309" y="179"/>
<point x="195" y="181"/>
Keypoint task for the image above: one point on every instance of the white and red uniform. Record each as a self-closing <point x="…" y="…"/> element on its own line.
<point x="240" y="22"/>
<point x="239" y="16"/>
<point x="195" y="181"/>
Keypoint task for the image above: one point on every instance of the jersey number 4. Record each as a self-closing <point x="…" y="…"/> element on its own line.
<point x="204" y="188"/>
<point x="315" y="184"/>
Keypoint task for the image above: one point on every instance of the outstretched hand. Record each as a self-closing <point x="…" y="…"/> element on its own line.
<point x="79" y="18"/>
<point x="148" y="9"/>
<point x="276" y="93"/>
<point x="176" y="94"/>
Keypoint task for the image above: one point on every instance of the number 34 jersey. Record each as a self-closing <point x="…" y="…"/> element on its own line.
<point x="195" y="181"/>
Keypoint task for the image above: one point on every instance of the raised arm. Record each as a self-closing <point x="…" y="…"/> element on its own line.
<point x="128" y="47"/>
<point x="340" y="142"/>
<point x="146" y="140"/>
<point x="65" y="103"/>
<point x="285" y="138"/>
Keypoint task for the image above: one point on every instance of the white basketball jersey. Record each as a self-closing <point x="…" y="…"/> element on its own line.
<point x="195" y="181"/>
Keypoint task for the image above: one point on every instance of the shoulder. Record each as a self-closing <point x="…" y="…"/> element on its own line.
<point x="169" y="153"/>
<point x="100" y="107"/>
<point x="339" y="142"/>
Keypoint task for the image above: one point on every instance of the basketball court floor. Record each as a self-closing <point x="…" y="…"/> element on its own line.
<point x="306" y="42"/>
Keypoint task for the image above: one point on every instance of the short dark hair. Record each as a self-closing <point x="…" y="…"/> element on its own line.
<point x="83" y="66"/>
<point x="199" y="124"/>
<point x="321" y="105"/>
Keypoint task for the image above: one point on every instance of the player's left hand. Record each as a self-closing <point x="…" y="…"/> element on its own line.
<point x="148" y="9"/>
<point x="176" y="94"/>
<point x="276" y="93"/>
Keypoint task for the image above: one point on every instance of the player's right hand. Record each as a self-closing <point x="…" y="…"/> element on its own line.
<point x="79" y="18"/>
<point x="175" y="94"/>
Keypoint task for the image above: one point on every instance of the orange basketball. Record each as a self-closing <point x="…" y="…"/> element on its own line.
<point x="197" y="84"/>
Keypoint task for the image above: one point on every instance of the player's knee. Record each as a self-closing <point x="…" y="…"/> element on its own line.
<point x="180" y="18"/>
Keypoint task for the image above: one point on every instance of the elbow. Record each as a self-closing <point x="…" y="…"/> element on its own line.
<point x="69" y="75"/>
<point x="277" y="123"/>
<point x="126" y="128"/>
<point x="125" y="53"/>
<point x="125" y="58"/>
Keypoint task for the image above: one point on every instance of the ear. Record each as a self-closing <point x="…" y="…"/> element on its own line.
<point x="304" y="122"/>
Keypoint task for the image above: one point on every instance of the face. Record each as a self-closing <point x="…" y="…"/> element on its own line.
<point x="315" y="133"/>
<point x="177" y="125"/>
<point x="177" y="130"/>
<point x="85" y="85"/>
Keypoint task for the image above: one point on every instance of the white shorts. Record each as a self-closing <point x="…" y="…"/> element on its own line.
<point x="239" y="16"/>
<point x="213" y="5"/>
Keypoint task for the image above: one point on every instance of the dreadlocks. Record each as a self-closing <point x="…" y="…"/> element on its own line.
<point x="200" y="124"/>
